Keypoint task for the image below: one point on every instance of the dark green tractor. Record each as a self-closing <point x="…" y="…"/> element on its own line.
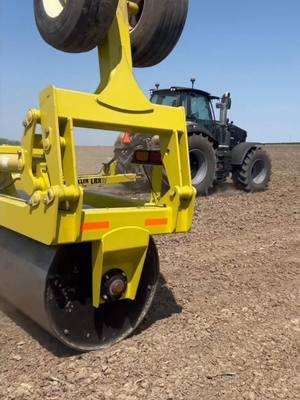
<point x="217" y="148"/>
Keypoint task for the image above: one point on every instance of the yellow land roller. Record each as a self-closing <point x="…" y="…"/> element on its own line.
<point x="79" y="262"/>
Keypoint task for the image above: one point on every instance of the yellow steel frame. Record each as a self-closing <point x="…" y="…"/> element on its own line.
<point x="44" y="168"/>
<point x="102" y="179"/>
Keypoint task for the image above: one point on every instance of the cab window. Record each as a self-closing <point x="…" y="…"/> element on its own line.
<point x="200" y="108"/>
<point x="170" y="99"/>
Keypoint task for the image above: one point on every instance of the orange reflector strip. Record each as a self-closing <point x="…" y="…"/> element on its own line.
<point x="93" y="226"/>
<point x="156" y="222"/>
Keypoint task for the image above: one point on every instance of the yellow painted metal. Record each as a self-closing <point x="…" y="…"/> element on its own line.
<point x="109" y="168"/>
<point x="99" y="179"/>
<point x="11" y="162"/>
<point x="54" y="207"/>
<point x="129" y="255"/>
<point x="156" y="182"/>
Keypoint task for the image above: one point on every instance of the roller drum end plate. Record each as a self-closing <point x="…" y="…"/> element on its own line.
<point x="56" y="291"/>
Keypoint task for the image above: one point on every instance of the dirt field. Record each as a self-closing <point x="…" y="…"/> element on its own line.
<point x="225" y="323"/>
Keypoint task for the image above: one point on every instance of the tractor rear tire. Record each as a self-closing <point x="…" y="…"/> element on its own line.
<point x="255" y="172"/>
<point x="74" y="26"/>
<point x="203" y="163"/>
<point x="156" y="29"/>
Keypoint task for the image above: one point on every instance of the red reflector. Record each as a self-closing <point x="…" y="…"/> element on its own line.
<point x="147" y="157"/>
<point x="155" y="157"/>
<point x="141" y="156"/>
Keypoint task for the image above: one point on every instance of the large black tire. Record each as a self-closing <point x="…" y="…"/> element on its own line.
<point x="203" y="163"/>
<point x="74" y="26"/>
<point x="255" y="172"/>
<point x="156" y="29"/>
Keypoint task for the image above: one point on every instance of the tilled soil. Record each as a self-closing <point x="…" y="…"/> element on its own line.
<point x="225" y="323"/>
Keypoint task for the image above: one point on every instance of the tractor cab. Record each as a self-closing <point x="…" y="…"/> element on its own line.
<point x="197" y="103"/>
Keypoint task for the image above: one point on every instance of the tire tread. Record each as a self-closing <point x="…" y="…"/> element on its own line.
<point x="241" y="175"/>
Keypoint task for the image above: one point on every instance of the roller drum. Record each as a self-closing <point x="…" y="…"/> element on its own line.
<point x="24" y="266"/>
<point x="53" y="286"/>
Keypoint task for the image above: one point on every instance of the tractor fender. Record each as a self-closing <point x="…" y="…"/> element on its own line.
<point x="199" y="130"/>
<point x="240" y="151"/>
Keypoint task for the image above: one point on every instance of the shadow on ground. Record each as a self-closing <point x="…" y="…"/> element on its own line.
<point x="164" y="306"/>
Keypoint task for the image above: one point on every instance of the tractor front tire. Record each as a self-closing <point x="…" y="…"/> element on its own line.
<point x="255" y="172"/>
<point x="202" y="162"/>
<point x="74" y="26"/>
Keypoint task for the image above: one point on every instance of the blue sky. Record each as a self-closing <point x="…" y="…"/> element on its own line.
<point x="251" y="49"/>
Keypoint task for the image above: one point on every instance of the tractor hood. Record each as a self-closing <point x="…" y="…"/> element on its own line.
<point x="237" y="130"/>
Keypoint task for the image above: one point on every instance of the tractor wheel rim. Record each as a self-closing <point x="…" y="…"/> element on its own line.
<point x="199" y="166"/>
<point x="54" y="8"/>
<point x="258" y="172"/>
<point x="135" y="18"/>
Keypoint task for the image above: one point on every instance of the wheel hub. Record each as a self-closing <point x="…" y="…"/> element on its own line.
<point x="54" y="7"/>
<point x="199" y="166"/>
<point x="114" y="285"/>
<point x="258" y="172"/>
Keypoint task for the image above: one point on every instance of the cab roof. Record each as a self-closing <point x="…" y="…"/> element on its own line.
<point x="185" y="89"/>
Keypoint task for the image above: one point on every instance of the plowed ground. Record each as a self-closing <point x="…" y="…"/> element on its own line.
<point x="225" y="323"/>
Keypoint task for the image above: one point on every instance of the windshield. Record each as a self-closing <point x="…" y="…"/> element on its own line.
<point x="167" y="99"/>
<point x="197" y="106"/>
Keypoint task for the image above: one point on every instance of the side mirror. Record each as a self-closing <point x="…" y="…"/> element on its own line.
<point x="228" y="103"/>
<point x="226" y="100"/>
